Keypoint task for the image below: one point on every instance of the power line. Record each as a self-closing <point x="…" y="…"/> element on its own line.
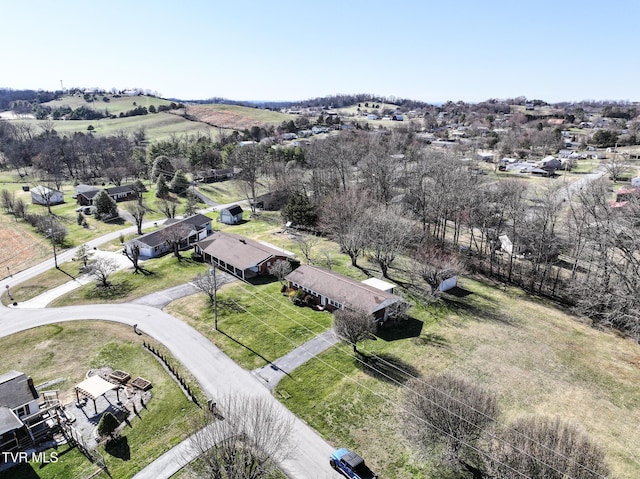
<point x="388" y="399"/>
<point x="255" y="295"/>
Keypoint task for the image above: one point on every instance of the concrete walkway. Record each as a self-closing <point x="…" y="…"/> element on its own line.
<point x="271" y="374"/>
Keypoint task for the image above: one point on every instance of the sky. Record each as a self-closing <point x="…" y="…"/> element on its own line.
<point x="434" y="51"/>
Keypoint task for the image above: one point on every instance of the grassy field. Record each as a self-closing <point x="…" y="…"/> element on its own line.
<point x="237" y="117"/>
<point x="157" y="126"/>
<point x="161" y="273"/>
<point x="114" y="106"/>
<point x="43" y="353"/>
<point x="534" y="357"/>
<point x="257" y="324"/>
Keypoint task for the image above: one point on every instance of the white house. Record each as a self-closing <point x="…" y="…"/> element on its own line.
<point x="42" y="195"/>
<point x="191" y="230"/>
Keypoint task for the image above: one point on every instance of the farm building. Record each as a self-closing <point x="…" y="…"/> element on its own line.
<point x="240" y="256"/>
<point x="332" y="291"/>
<point x="42" y="195"/>
<point x="191" y="230"/>
<point x="231" y="215"/>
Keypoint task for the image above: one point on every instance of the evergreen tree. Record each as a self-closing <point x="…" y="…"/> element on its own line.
<point x="179" y="183"/>
<point x="300" y="211"/>
<point x="162" y="167"/>
<point x="105" y="206"/>
<point x="162" y="189"/>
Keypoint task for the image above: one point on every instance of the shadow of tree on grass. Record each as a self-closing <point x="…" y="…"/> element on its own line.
<point x="119" y="448"/>
<point x="387" y="368"/>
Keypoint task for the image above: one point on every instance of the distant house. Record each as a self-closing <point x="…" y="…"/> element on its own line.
<point x="86" y="193"/>
<point x="18" y="402"/>
<point x="240" y="256"/>
<point x="397" y="117"/>
<point x="272" y="201"/>
<point x="550" y="163"/>
<point x="42" y="195"/>
<point x="214" y="175"/>
<point x="191" y="230"/>
<point x="372" y="116"/>
<point x="333" y="291"/>
<point x="627" y="194"/>
<point x="231" y="215"/>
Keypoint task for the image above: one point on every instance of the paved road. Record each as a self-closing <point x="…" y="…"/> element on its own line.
<point x="217" y="374"/>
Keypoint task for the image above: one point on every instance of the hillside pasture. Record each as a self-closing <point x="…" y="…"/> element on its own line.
<point x="236" y="117"/>
<point x="114" y="106"/>
<point x="157" y="126"/>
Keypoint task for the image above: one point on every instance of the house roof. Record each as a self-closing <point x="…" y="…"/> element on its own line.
<point x="379" y="284"/>
<point x="43" y="190"/>
<point x="155" y="238"/>
<point x="82" y="189"/>
<point x="237" y="250"/>
<point x="114" y="190"/>
<point x="16" y="389"/>
<point x="234" y="210"/>
<point x="347" y="291"/>
<point x="8" y="420"/>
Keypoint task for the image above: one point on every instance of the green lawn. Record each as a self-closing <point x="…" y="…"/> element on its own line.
<point x="44" y="353"/>
<point x="161" y="273"/>
<point x="257" y="324"/>
<point x="534" y="357"/>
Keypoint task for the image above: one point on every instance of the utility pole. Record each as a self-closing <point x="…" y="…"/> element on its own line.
<point x="53" y="242"/>
<point x="215" y="300"/>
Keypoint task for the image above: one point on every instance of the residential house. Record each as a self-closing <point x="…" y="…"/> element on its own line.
<point x="86" y="193"/>
<point x="231" y="215"/>
<point x="42" y="195"/>
<point x="191" y="230"/>
<point x="213" y="175"/>
<point x="18" y="401"/>
<point x="240" y="256"/>
<point x="332" y="291"/>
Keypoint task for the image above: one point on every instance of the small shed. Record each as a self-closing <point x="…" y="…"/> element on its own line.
<point x="231" y="215"/>
<point x="448" y="284"/>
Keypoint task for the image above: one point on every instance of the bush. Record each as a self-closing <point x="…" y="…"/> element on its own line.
<point x="107" y="425"/>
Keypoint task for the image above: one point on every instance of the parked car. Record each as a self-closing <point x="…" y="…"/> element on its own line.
<point x="350" y="464"/>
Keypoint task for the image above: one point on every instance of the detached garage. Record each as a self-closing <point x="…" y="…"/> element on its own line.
<point x="231" y="215"/>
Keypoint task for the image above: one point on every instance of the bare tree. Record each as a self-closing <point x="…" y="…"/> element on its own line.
<point x="448" y="410"/>
<point x="138" y="210"/>
<point x="83" y="254"/>
<point x="244" y="437"/>
<point x="133" y="254"/>
<point x="280" y="269"/>
<point x="342" y="218"/>
<point x="8" y="200"/>
<point x="545" y="448"/>
<point x="353" y="326"/>
<point x="249" y="159"/>
<point x="209" y="283"/>
<point x="174" y="238"/>
<point x="168" y="207"/>
<point x="434" y="265"/>
<point x="306" y="243"/>
<point x="102" y="268"/>
<point x="616" y="167"/>
<point x="388" y="233"/>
